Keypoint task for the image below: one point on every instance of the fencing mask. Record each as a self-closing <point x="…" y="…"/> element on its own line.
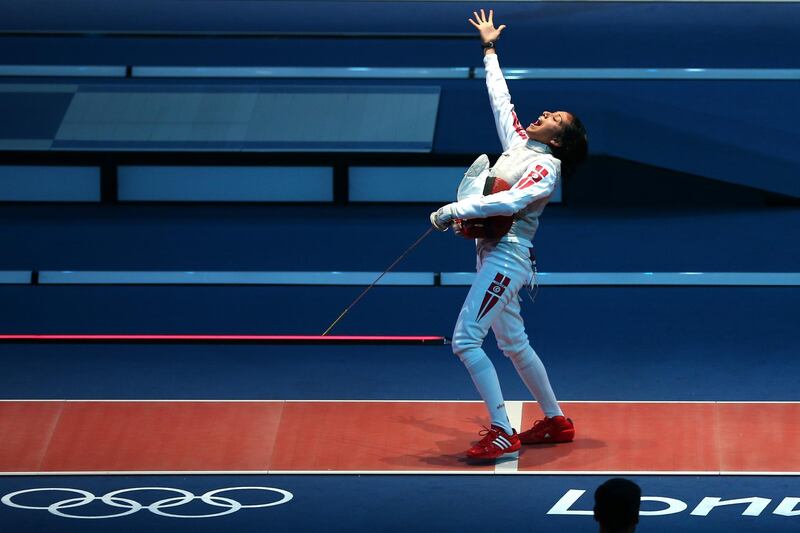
<point x="477" y="182"/>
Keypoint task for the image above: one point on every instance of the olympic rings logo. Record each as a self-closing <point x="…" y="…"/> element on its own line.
<point x="114" y="499"/>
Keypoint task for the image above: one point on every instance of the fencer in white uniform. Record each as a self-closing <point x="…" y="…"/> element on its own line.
<point x="504" y="266"/>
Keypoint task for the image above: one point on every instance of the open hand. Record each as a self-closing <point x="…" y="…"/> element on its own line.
<point x="486" y="26"/>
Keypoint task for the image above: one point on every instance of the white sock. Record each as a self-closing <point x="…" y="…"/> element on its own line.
<point x="531" y="369"/>
<point x="484" y="376"/>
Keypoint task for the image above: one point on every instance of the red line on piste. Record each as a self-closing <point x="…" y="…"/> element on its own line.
<point x="263" y="339"/>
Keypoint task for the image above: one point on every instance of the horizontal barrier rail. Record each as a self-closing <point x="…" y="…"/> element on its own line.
<point x="235" y="278"/>
<point x="366" y="72"/>
<point x="444" y="279"/>
<point x="770" y="279"/>
<point x="16" y="277"/>
<point x="69" y="71"/>
<point x="753" y="74"/>
<point x="302" y="72"/>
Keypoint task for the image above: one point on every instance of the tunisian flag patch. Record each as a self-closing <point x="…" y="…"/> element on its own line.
<point x="534" y="176"/>
<point x="493" y="294"/>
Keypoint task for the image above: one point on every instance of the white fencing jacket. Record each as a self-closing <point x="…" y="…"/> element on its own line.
<point x="527" y="165"/>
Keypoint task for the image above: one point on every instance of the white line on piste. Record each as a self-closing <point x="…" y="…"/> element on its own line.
<point x="509" y="464"/>
<point x="402" y="473"/>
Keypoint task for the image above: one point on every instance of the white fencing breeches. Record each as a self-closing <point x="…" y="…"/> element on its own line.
<point x="493" y="301"/>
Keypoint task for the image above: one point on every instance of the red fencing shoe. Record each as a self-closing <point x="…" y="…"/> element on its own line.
<point x="495" y="442"/>
<point x="556" y="429"/>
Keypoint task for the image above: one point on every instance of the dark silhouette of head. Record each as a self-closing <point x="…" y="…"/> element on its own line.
<point x="574" y="146"/>
<point x="616" y="505"/>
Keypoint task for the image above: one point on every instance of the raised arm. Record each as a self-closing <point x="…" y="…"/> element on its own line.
<point x="509" y="130"/>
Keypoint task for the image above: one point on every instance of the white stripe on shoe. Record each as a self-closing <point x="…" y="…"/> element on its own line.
<point x="502" y="442"/>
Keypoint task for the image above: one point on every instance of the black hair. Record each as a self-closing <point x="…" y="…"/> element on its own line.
<point x="616" y="504"/>
<point x="574" y="147"/>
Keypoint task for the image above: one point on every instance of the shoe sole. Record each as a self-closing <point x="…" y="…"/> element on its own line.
<point x="492" y="458"/>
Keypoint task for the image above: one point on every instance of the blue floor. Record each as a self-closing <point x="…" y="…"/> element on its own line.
<point x="597" y="343"/>
<point x="397" y="503"/>
<point x="383" y="372"/>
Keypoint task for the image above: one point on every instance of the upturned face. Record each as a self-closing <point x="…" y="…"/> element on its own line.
<point x="549" y="127"/>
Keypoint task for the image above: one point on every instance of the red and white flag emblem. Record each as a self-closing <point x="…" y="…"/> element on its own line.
<point x="493" y="294"/>
<point x="534" y="176"/>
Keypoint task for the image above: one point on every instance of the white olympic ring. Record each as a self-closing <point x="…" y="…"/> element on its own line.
<point x="131" y="506"/>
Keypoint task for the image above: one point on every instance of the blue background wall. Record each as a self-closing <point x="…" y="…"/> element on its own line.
<point x="685" y="175"/>
<point x="740" y="131"/>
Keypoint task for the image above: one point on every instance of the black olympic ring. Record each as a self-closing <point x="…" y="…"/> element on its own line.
<point x="132" y="506"/>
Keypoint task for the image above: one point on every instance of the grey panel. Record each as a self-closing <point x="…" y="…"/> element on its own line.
<point x="225" y="184"/>
<point x="15" y="277"/>
<point x="49" y="184"/>
<point x="302" y="72"/>
<point x="410" y="184"/>
<point x="404" y="184"/>
<point x="288" y="118"/>
<point x="72" y="71"/>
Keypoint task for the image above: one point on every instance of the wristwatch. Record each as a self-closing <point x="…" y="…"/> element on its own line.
<point x="490" y="44"/>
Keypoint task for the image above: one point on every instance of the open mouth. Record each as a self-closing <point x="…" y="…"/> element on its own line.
<point x="538" y="122"/>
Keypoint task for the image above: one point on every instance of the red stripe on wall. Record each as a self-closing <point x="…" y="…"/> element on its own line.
<point x="280" y="339"/>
